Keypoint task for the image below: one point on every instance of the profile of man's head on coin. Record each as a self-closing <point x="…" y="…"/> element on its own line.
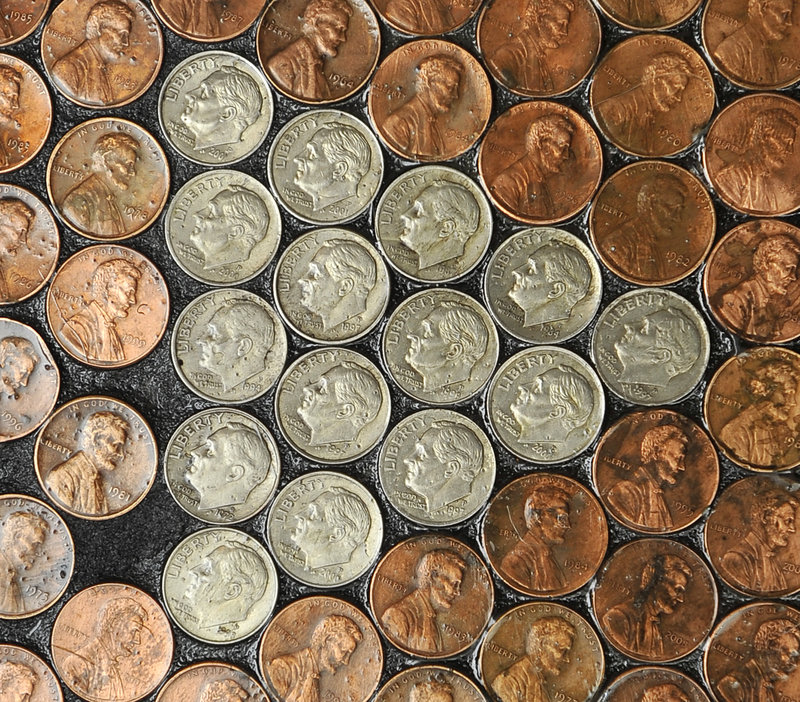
<point x="665" y="692"/>
<point x="18" y="361"/>
<point x="431" y="690"/>
<point x="225" y="690"/>
<point x="10" y="85"/>
<point x="21" y="539"/>
<point x="17" y="682"/>
<point x="16" y="220"/>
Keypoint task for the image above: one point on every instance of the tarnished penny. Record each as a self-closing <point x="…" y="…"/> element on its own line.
<point x="96" y="457"/>
<point x="112" y="642"/>
<point x="210" y="21"/>
<point x="426" y="683"/>
<point x="210" y="681"/>
<point x="20" y="18"/>
<point x="108" y="179"/>
<point x="426" y="17"/>
<point x="430" y="100"/>
<point x="545" y="535"/>
<point x="652" y="95"/>
<point x="652" y="684"/>
<point x="652" y="223"/>
<point x="28" y="675"/>
<point x="655" y="600"/>
<point x="655" y="471"/>
<point x="648" y="14"/>
<point x="432" y="596"/>
<point x="540" y="162"/>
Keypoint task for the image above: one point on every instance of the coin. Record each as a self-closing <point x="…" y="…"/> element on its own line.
<point x="426" y="683"/>
<point x="431" y="18"/>
<point x="325" y="529"/>
<point x="653" y="683"/>
<point x="20" y="18"/>
<point x="647" y="15"/>
<point x="211" y="682"/>
<point x="28" y="675"/>
<point x="437" y="467"/>
<point x="222" y="466"/>
<point x="208" y="21"/>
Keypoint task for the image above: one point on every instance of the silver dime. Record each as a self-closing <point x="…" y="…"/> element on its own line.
<point x="543" y="285"/>
<point x="434" y="224"/>
<point x="325" y="529"/>
<point x="223" y="227"/>
<point x="437" y="467"/>
<point x="331" y="286"/>
<point x="34" y="674"/>
<point x="429" y="683"/>
<point x="650" y="346"/>
<point x="325" y="166"/>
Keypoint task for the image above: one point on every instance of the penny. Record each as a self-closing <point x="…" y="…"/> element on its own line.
<point x="649" y="14"/>
<point x="222" y="466"/>
<point x="543" y="285"/>
<point x="429" y="100"/>
<point x="652" y="223"/>
<point x="431" y="596"/>
<point x="215" y="108"/>
<point x="219" y="585"/>
<point x="325" y="166"/>
<point x="652" y="95"/>
<point x="440" y="346"/>
<point x="28" y="675"/>
<point x="325" y="529"/>
<point x="331" y="286"/>
<point x="653" y="684"/>
<point x="20" y="18"/>
<point x="540" y="162"/>
<point x="426" y="17"/>
<point x="318" y="51"/>
<point x="228" y="346"/>
<point x="111" y="642"/>
<point x="426" y="683"/>
<point x="437" y="467"/>
<point x="655" y="471"/>
<point x="208" y="21"/>
<point x="332" y="405"/>
<point x="223" y="227"/>
<point x="108" y="306"/>
<point x="102" y="54"/>
<point x="536" y="535"/>
<point x="210" y="681"/>
<point x="433" y="224"/>
<point x="96" y="457"/>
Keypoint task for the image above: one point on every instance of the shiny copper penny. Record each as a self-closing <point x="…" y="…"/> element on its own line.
<point x="28" y="676"/>
<point x="212" y="20"/>
<point x="426" y="17"/>
<point x="648" y="14"/>
<point x="656" y="471"/>
<point x="540" y="162"/>
<point x="652" y="223"/>
<point x="429" y="683"/>
<point x="652" y="95"/>
<point x="536" y="535"/>
<point x="432" y="596"/>
<point x="210" y="681"/>
<point x="654" y="684"/>
<point x="430" y="100"/>
<point x="111" y="642"/>
<point x="20" y="18"/>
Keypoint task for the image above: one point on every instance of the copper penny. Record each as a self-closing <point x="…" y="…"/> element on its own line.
<point x="652" y="95"/>
<point x="648" y="14"/>
<point x="20" y="18"/>
<point x="656" y="471"/>
<point x="654" y="684"/>
<point x="96" y="457"/>
<point x="432" y="596"/>
<point x="426" y="17"/>
<point x="213" y="20"/>
<point x="111" y="642"/>
<point x="28" y="675"/>
<point x="652" y="223"/>
<point x="655" y="600"/>
<point x="430" y="100"/>
<point x="210" y="681"/>
<point x="540" y="162"/>
<point x="430" y="683"/>
<point x="535" y="535"/>
<point x="108" y="306"/>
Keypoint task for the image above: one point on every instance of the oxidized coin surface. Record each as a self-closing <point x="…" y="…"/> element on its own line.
<point x="222" y="466"/>
<point x="655" y="471"/>
<point x="34" y="679"/>
<point x="648" y="14"/>
<point x="219" y="585"/>
<point x="429" y="682"/>
<point x="211" y="682"/>
<point x="653" y="683"/>
<point x="19" y="19"/>
<point x="223" y="227"/>
<point x="229" y="346"/>
<point x="433" y="224"/>
<point x="96" y="457"/>
<point x="208" y="21"/>
<point x="651" y="346"/>
<point x="428" y="18"/>
<point x="543" y="285"/>
<point x="325" y="529"/>
<point x="331" y="286"/>
<point x="437" y="467"/>
<point x="215" y="108"/>
<point x="432" y="596"/>
<point x="112" y="642"/>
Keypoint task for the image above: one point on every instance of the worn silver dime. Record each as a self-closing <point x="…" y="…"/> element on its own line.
<point x="229" y="346"/>
<point x="211" y="681"/>
<point x="223" y="227"/>
<point x="440" y="346"/>
<point x="222" y="466"/>
<point x="333" y="405"/>
<point x="437" y="467"/>
<point x="325" y="166"/>
<point x="36" y="682"/>
<point x="219" y="585"/>
<point x="543" y="285"/>
<point x="331" y="286"/>
<point x="215" y="108"/>
<point x="430" y="683"/>
<point x="653" y="683"/>
<point x="325" y="529"/>
<point x="434" y="224"/>
<point x="651" y="347"/>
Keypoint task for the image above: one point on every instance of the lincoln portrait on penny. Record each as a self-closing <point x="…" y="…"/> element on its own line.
<point x="16" y="220"/>
<point x="10" y="85"/>
<point x="17" y="682"/>
<point x="18" y="360"/>
<point x="23" y="534"/>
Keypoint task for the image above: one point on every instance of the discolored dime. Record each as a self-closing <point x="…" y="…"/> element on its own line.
<point x="210" y="21"/>
<point x="35" y="676"/>
<point x="648" y="14"/>
<point x="20" y="18"/>
<point x="211" y="681"/>
<point x="647" y="684"/>
<point x="429" y="18"/>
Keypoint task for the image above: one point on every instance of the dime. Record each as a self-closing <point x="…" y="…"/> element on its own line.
<point x="437" y="467"/>
<point x="649" y="14"/>
<point x="228" y="346"/>
<point x="429" y="18"/>
<point x="208" y="21"/>
<point x="222" y="466"/>
<point x="427" y="683"/>
<point x="433" y="224"/>
<point x="325" y="529"/>
<point x="28" y="675"/>
<point x="211" y="682"/>
<point x="653" y="683"/>
<point x="19" y="19"/>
